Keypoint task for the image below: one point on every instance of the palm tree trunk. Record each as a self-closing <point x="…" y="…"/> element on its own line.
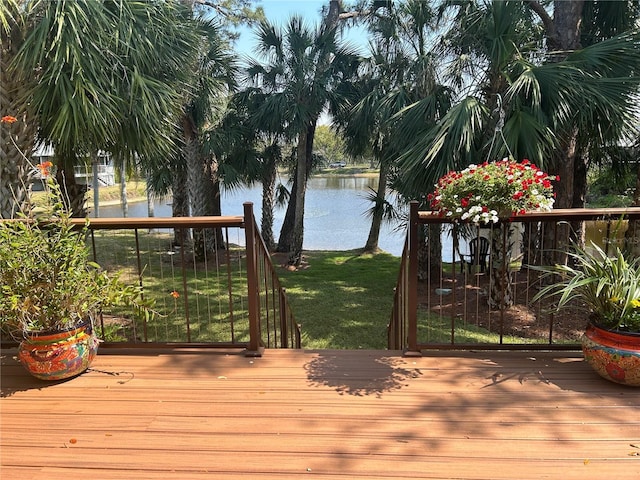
<point x="378" y="213"/>
<point x="216" y="202"/>
<point x="285" y="240"/>
<point x="16" y="139"/>
<point x="501" y="278"/>
<point x="295" y="253"/>
<point x="268" y="190"/>
<point x="151" y="212"/>
<point x="200" y="194"/>
<point x="73" y="193"/>
<point x="563" y="35"/>
<point x="180" y="205"/>
<point x="124" y="202"/>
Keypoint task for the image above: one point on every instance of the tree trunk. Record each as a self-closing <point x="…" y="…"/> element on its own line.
<point x="268" y="192"/>
<point x="16" y="139"/>
<point x="124" y="201"/>
<point x="295" y="253"/>
<point x="180" y="205"/>
<point x="501" y="278"/>
<point x="285" y="240"/>
<point x="151" y="210"/>
<point x="201" y="197"/>
<point x="216" y="202"/>
<point x="73" y="193"/>
<point x="563" y="35"/>
<point x="378" y="210"/>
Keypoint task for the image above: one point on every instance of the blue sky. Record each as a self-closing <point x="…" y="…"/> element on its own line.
<point x="279" y="11"/>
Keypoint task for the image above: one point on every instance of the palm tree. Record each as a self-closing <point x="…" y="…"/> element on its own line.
<point x="304" y="70"/>
<point x="518" y="102"/>
<point x="399" y="72"/>
<point x="115" y="92"/>
<point x="212" y="78"/>
<point x="16" y="138"/>
<point x="514" y="101"/>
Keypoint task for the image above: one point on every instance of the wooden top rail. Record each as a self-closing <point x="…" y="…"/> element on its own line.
<point x="165" y="222"/>
<point x="556" y="214"/>
<point x="158" y="222"/>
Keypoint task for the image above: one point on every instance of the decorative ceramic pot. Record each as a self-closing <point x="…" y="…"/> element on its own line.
<point x="59" y="355"/>
<point x="613" y="355"/>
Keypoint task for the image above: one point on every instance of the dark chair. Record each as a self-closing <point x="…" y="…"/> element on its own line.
<point x="478" y="254"/>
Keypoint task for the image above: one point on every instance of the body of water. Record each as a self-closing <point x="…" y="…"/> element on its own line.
<point x="335" y="213"/>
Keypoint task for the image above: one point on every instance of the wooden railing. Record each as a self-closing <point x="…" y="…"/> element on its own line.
<point x="275" y="325"/>
<point x="465" y="306"/>
<point x="230" y="298"/>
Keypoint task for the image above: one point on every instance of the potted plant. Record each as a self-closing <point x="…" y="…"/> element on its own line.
<point x="608" y="287"/>
<point x="51" y="291"/>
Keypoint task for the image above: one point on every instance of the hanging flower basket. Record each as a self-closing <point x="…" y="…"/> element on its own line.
<point x="494" y="191"/>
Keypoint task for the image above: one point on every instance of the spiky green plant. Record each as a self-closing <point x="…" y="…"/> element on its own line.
<point x="608" y="286"/>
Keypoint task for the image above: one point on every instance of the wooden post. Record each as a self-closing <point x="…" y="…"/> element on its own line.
<point x="412" y="284"/>
<point x="284" y="328"/>
<point x="255" y="348"/>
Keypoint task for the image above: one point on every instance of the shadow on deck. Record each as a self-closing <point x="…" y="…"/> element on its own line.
<point x="327" y="413"/>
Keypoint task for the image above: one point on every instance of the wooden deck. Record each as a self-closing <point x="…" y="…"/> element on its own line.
<point x="327" y="414"/>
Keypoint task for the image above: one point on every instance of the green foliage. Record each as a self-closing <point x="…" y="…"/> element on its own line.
<point x="609" y="287"/>
<point x="610" y="188"/>
<point x="48" y="282"/>
<point x="329" y="144"/>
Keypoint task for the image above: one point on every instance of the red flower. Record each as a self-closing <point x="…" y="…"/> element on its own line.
<point x="44" y="168"/>
<point x="9" y="119"/>
<point x="175" y="294"/>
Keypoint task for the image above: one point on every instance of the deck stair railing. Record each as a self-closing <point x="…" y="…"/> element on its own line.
<point x="457" y="308"/>
<point x="274" y="325"/>
<point x="230" y="298"/>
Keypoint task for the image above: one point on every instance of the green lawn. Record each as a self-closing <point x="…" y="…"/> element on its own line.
<point x="342" y="299"/>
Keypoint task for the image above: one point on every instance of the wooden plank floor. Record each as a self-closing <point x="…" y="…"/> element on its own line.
<point x="326" y="414"/>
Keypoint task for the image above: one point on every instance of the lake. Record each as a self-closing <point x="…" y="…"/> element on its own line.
<point x="335" y="216"/>
<point x="335" y="213"/>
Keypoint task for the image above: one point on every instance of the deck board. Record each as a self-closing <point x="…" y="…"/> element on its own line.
<point x="331" y="414"/>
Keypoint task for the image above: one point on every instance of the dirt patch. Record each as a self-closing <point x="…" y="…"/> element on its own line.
<point x="467" y="296"/>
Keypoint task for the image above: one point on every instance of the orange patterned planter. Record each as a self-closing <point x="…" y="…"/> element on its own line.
<point x="613" y="355"/>
<point x="59" y="355"/>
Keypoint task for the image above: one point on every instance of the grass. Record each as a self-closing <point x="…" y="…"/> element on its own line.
<point x="205" y="301"/>
<point x="342" y="299"/>
<point x="135" y="189"/>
